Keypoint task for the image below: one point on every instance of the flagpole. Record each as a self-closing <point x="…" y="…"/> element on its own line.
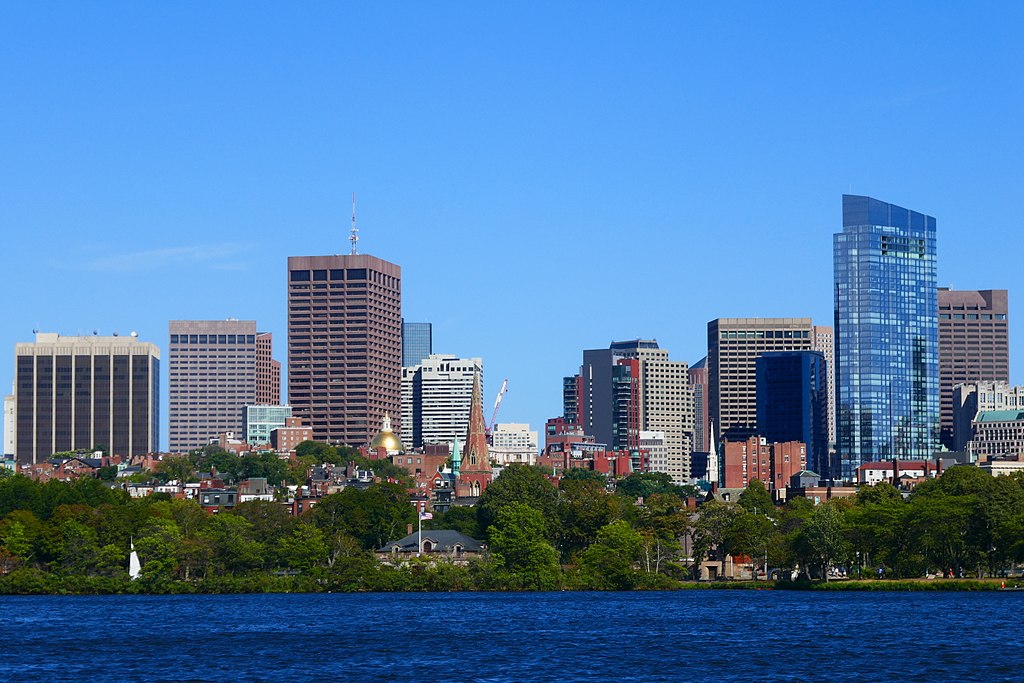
<point x="419" y="530"/>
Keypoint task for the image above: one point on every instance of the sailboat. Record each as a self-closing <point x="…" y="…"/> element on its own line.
<point x="134" y="566"/>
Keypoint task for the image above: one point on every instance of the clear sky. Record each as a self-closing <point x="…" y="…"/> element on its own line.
<point x="550" y="176"/>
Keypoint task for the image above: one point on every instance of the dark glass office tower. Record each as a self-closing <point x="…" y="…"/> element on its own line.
<point x="417" y="343"/>
<point x="886" y="308"/>
<point x="792" y="403"/>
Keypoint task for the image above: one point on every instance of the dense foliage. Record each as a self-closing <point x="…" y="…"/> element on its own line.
<point x="75" y="537"/>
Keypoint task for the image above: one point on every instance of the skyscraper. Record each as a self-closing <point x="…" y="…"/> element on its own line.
<point x="436" y="394"/>
<point x="699" y="387"/>
<point x="792" y="403"/>
<point x="417" y="342"/>
<point x="974" y="345"/>
<point x="215" y="369"/>
<point x="344" y="345"/>
<point x="733" y="346"/>
<point x="633" y="386"/>
<point x="887" y="379"/>
<point x="82" y="392"/>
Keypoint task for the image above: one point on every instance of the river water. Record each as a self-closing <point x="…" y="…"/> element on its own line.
<point x="667" y="636"/>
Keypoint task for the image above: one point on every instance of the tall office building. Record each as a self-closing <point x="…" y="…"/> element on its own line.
<point x="417" y="342"/>
<point x="632" y="386"/>
<point x="974" y="345"/>
<point x="75" y="393"/>
<point x="344" y="345"/>
<point x="733" y="347"/>
<point x="825" y="344"/>
<point x="436" y="396"/>
<point x="886" y="308"/>
<point x="792" y="403"/>
<point x="215" y="369"/>
<point x="699" y="387"/>
<point x="268" y="371"/>
<point x="571" y="390"/>
<point x="972" y="399"/>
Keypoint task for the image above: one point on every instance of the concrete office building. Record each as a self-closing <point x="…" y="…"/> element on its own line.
<point x="633" y="386"/>
<point x="75" y="393"/>
<point x="215" y="369"/>
<point x="825" y="344"/>
<point x="972" y="399"/>
<point x="344" y="345"/>
<point x="974" y="345"/>
<point x="513" y="443"/>
<point x="417" y="342"/>
<point x="733" y="347"/>
<point x="436" y="397"/>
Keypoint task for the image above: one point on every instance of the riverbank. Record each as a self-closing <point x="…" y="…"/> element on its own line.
<point x="35" y="582"/>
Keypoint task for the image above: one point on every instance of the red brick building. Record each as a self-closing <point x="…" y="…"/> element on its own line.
<point x="475" y="469"/>
<point x="755" y="458"/>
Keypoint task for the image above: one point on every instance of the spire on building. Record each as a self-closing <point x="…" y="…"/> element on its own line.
<point x="456" y="456"/>
<point x="712" y="474"/>
<point x="476" y="436"/>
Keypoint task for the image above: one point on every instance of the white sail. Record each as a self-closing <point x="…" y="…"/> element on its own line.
<point x="134" y="566"/>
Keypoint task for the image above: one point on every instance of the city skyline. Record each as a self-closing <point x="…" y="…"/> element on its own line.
<point x="156" y="185"/>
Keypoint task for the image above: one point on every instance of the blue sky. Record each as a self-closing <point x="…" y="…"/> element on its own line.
<point x="550" y="176"/>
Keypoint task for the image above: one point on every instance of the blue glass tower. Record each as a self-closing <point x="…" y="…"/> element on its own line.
<point x="792" y="403"/>
<point x="417" y="343"/>
<point x="886" y="334"/>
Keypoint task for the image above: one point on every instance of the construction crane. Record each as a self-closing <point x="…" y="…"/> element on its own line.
<point x="497" y="404"/>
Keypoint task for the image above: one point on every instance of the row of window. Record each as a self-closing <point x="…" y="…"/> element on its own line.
<point x="213" y="339"/>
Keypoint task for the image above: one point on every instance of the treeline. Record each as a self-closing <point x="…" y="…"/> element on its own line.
<point x="75" y="537"/>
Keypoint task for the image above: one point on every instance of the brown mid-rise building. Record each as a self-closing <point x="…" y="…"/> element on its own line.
<point x="215" y="369"/>
<point x="344" y="345"/>
<point x="733" y="347"/>
<point x="974" y="345"/>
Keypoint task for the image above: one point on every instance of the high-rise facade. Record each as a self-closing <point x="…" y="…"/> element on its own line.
<point x="417" y="342"/>
<point x="633" y="386"/>
<point x="733" y="347"/>
<point x="436" y="396"/>
<point x="825" y="344"/>
<point x="792" y="403"/>
<point x="344" y="345"/>
<point x="699" y="386"/>
<point x="215" y="369"/>
<point x="974" y="345"/>
<point x="75" y="393"/>
<point x="268" y="371"/>
<point x="886" y="327"/>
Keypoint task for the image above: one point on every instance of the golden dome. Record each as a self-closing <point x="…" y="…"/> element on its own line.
<point x="387" y="439"/>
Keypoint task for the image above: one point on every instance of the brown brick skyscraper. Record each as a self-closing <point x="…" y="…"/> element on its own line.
<point x="974" y="344"/>
<point x="344" y="345"/>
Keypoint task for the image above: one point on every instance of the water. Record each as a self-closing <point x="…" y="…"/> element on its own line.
<point x="564" y="637"/>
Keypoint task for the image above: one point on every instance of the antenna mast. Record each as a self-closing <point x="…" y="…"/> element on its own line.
<point x="354" y="237"/>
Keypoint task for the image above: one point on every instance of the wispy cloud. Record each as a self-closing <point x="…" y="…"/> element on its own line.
<point x="224" y="256"/>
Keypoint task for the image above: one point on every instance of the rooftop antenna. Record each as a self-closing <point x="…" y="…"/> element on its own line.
<point x="354" y="237"/>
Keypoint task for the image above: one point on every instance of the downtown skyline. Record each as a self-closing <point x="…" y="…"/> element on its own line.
<point x="521" y="191"/>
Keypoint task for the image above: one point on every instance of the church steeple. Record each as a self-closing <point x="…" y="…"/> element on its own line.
<point x="456" y="456"/>
<point x="475" y="469"/>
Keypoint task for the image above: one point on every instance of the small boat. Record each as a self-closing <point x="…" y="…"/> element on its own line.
<point x="134" y="566"/>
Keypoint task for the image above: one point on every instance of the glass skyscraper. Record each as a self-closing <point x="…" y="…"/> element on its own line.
<point x="886" y="334"/>
<point x="417" y="343"/>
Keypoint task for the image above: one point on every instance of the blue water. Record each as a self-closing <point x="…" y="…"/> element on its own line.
<point x="679" y="636"/>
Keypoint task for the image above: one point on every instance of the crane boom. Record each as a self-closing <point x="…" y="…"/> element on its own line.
<point x="497" y="404"/>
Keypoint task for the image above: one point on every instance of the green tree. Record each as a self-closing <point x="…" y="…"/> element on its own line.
<point x="711" y="532"/>
<point x="609" y="563"/>
<point x="519" y="485"/>
<point x="304" y="549"/>
<point x="756" y="499"/>
<point x="662" y="521"/>
<point x="519" y="547"/>
<point x="584" y="507"/>
<point x="823" y="535"/>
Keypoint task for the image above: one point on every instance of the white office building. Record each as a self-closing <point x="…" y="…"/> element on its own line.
<point x="435" y="399"/>
<point x="513" y="443"/>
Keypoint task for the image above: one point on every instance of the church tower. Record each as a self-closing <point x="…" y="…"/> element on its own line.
<point x="475" y="469"/>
